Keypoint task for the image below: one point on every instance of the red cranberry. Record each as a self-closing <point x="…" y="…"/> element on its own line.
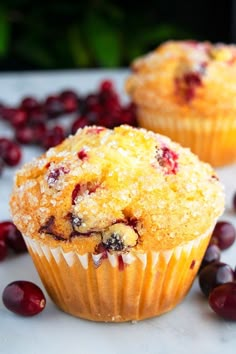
<point x="37" y="116"/>
<point x="106" y="85"/>
<point x="29" y="103"/>
<point x="53" y="106"/>
<point x="223" y="235"/>
<point x="167" y="159"/>
<point x="223" y="301"/>
<point x="69" y="100"/>
<point x="82" y="154"/>
<point x="234" y="202"/>
<point x="213" y="275"/>
<point x="3" y="249"/>
<point x="1" y="165"/>
<point x="7" y="113"/>
<point x="80" y="122"/>
<point x="25" y="135"/>
<point x="12" y="236"/>
<point x="23" y="298"/>
<point x="53" y="137"/>
<point x="10" y="152"/>
<point x="212" y="254"/>
<point x="19" y="118"/>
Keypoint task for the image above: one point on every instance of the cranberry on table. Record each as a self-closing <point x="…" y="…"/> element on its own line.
<point x="222" y="300"/>
<point x="23" y="298"/>
<point x="212" y="254"/>
<point x="29" y="103"/>
<point x="1" y="165"/>
<point x="53" y="137"/>
<point x="25" y="135"/>
<point x="234" y="201"/>
<point x="18" y="118"/>
<point x="12" y="236"/>
<point x="223" y="235"/>
<point x="53" y="106"/>
<point x="213" y="275"/>
<point x="69" y="100"/>
<point x="80" y="122"/>
<point x="10" y="152"/>
<point x="3" y="249"/>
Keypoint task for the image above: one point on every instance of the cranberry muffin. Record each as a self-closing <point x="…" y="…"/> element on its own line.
<point x="117" y="221"/>
<point x="186" y="90"/>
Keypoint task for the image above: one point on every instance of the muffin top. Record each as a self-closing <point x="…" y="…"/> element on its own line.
<point x="193" y="78"/>
<point x="119" y="190"/>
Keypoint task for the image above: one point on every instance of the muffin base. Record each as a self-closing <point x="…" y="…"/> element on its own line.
<point x="128" y="287"/>
<point x="213" y="140"/>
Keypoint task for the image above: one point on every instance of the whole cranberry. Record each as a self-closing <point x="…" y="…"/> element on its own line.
<point x="37" y="116"/>
<point x="213" y="275"/>
<point x="223" y="300"/>
<point x="106" y="85"/>
<point x="23" y="298"/>
<point x="1" y="165"/>
<point x="212" y="254"/>
<point x="25" y="135"/>
<point x="19" y="118"/>
<point x="53" y="137"/>
<point x="53" y="106"/>
<point x="223" y="235"/>
<point x="28" y="103"/>
<point x="10" y="152"/>
<point x="12" y="237"/>
<point x="234" y="201"/>
<point x="3" y="249"/>
<point x="80" y="122"/>
<point x="69" y="100"/>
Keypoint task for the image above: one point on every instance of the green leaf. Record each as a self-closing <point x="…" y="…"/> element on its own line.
<point x="104" y="40"/>
<point x="4" y="33"/>
<point x="78" y="50"/>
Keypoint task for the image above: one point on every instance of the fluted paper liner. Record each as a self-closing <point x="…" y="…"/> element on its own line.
<point x="213" y="140"/>
<point x="131" y="286"/>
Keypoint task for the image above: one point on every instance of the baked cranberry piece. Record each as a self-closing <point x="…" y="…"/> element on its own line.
<point x="188" y="84"/>
<point x="82" y="154"/>
<point x="167" y="159"/>
<point x="55" y="174"/>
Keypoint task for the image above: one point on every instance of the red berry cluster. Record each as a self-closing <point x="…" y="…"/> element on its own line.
<point x="217" y="280"/>
<point x="10" y="238"/>
<point x="35" y="122"/>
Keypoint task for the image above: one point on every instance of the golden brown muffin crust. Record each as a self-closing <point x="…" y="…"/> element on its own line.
<point x="140" y="188"/>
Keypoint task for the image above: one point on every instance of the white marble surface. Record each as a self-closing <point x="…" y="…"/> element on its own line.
<point x="191" y="328"/>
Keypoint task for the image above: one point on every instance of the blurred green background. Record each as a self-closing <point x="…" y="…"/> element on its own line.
<point x="86" y="34"/>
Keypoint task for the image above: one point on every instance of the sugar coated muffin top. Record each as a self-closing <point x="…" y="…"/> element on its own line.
<point x="119" y="190"/>
<point x="197" y="78"/>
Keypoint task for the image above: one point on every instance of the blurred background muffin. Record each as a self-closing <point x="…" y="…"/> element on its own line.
<point x="186" y="90"/>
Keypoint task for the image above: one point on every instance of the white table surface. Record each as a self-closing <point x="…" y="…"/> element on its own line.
<point x="190" y="328"/>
